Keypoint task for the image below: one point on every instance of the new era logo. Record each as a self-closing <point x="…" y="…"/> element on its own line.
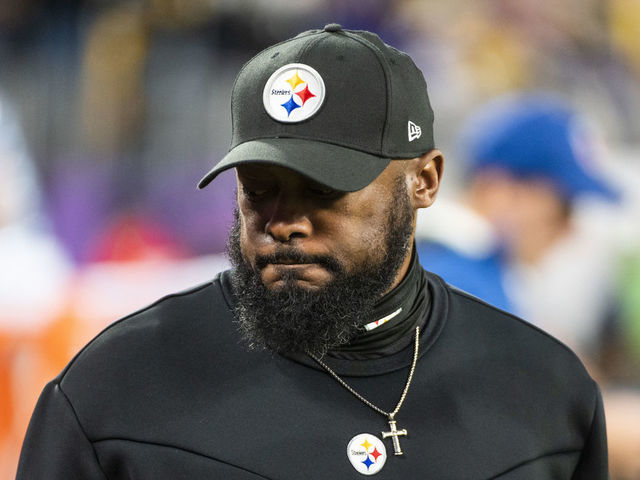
<point x="414" y="131"/>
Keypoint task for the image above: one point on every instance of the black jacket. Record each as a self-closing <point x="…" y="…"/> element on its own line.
<point x="171" y="392"/>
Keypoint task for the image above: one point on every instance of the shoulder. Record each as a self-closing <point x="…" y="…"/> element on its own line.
<point x="524" y="390"/>
<point x="169" y="326"/>
<point x="509" y="345"/>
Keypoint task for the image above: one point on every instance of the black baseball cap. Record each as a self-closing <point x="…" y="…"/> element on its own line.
<point x="334" y="105"/>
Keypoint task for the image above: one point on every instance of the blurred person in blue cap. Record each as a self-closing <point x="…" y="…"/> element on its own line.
<point x="530" y="162"/>
<point x="327" y="351"/>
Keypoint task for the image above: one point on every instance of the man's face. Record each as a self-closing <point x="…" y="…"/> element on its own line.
<point x="311" y="262"/>
<point x="283" y="212"/>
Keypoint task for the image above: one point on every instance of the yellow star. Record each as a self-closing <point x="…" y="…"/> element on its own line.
<point x="295" y="81"/>
<point x="366" y="444"/>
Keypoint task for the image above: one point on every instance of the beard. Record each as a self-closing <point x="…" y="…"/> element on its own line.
<point x="297" y="319"/>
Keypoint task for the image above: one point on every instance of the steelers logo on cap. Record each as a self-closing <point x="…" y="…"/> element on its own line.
<point x="366" y="453"/>
<point x="293" y="93"/>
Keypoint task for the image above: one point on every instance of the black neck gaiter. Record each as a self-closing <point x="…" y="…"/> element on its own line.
<point x="407" y="305"/>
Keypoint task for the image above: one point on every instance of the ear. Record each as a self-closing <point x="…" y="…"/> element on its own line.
<point x="426" y="174"/>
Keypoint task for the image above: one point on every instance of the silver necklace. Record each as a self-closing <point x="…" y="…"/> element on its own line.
<point x="394" y="433"/>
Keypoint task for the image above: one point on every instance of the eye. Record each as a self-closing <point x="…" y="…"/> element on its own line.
<point x="323" y="191"/>
<point x="254" y="193"/>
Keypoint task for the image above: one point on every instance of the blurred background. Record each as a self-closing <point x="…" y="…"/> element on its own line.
<point x="111" y="111"/>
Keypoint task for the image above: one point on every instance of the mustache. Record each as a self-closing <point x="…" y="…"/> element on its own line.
<point x="294" y="256"/>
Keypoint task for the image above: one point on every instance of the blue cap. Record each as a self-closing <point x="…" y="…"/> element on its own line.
<point x="534" y="135"/>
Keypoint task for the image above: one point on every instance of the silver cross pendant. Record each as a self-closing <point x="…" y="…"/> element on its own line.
<point x="394" y="434"/>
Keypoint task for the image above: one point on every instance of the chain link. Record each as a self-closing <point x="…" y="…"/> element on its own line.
<point x="389" y="415"/>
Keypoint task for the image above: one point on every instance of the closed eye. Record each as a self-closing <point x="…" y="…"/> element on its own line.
<point x="324" y="192"/>
<point x="254" y="193"/>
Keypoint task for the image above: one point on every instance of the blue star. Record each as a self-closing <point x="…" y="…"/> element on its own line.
<point x="290" y="105"/>
<point x="367" y="461"/>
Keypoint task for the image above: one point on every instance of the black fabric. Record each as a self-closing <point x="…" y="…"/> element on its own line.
<point x="171" y="392"/>
<point x="411" y="296"/>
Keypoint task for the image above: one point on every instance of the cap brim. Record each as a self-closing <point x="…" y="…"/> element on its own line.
<point x="581" y="182"/>
<point x="337" y="167"/>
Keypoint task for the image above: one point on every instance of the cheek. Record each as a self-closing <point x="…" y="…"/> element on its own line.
<point x="358" y="237"/>
<point x="248" y="236"/>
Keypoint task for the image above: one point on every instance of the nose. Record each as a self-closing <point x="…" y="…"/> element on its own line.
<point x="288" y="219"/>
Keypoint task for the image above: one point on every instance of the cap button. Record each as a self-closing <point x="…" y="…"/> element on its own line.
<point x="333" y="27"/>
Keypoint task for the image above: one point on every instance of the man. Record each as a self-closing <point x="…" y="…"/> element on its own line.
<point x="327" y="351"/>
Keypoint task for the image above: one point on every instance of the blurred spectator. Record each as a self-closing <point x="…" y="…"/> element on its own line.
<point x="532" y="237"/>
<point x="34" y="271"/>
<point x="531" y="197"/>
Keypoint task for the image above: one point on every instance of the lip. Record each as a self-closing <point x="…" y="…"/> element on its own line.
<point x="308" y="274"/>
<point x="285" y="266"/>
<point x="291" y="264"/>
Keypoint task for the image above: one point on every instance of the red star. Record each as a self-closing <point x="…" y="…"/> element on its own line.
<point x="305" y="94"/>
<point x="375" y="454"/>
